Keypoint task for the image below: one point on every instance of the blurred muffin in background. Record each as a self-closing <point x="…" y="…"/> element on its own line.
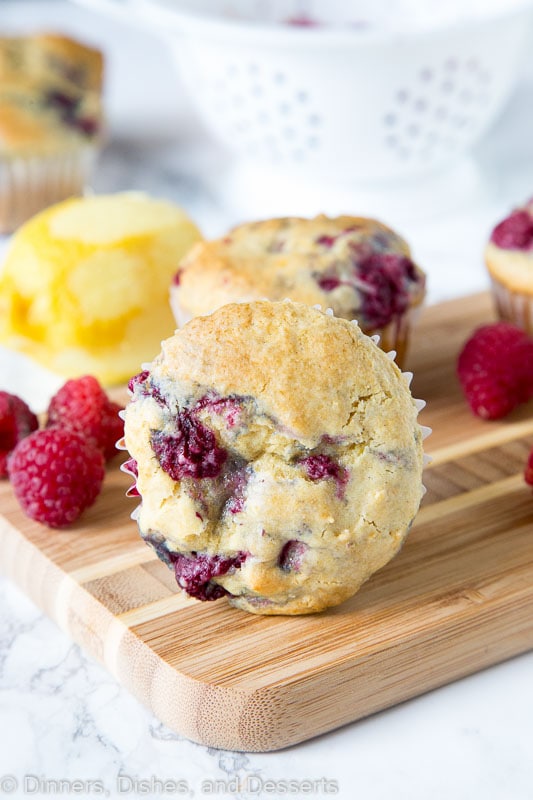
<point x="509" y="260"/>
<point x="84" y="288"/>
<point x="51" y="122"/>
<point x="358" y="267"/>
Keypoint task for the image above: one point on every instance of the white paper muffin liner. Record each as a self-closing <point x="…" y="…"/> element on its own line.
<point x="515" y="307"/>
<point x="181" y="316"/>
<point x="29" y="184"/>
<point x="396" y="335"/>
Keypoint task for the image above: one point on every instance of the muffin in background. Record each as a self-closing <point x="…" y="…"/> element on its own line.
<point x="50" y="122"/>
<point x="358" y="267"/>
<point x="84" y="287"/>
<point x="277" y="454"/>
<point x="509" y="260"/>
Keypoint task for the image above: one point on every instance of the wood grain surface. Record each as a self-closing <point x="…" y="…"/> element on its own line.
<point x="458" y="597"/>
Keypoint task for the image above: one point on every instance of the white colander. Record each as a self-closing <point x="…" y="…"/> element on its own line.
<point x="354" y="97"/>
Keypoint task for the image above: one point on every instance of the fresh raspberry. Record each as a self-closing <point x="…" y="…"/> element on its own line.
<point x="495" y="369"/>
<point x="82" y="405"/>
<point x="515" y="232"/>
<point x="56" y="474"/>
<point x="16" y="421"/>
<point x="528" y="472"/>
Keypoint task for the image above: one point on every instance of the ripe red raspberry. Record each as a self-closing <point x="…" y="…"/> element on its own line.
<point x="528" y="472"/>
<point x="82" y="405"/>
<point x="56" y="474"/>
<point x="495" y="369"/>
<point x="16" y="421"/>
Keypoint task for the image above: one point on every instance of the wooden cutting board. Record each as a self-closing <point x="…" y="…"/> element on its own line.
<point x="458" y="598"/>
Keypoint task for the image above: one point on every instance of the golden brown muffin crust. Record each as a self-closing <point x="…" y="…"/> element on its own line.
<point x="268" y="359"/>
<point x="311" y="448"/>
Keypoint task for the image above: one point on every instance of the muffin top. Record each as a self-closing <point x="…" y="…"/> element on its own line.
<point x="50" y="87"/>
<point x="358" y="267"/>
<point x="509" y="252"/>
<point x="297" y="360"/>
<point x="278" y="456"/>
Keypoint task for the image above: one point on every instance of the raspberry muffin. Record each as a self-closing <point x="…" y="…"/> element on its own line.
<point x="84" y="289"/>
<point x="358" y="267"/>
<point x="509" y="260"/>
<point x="50" y="122"/>
<point x="278" y="456"/>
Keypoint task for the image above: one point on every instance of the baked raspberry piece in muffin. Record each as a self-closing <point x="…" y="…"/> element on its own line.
<point x="358" y="267"/>
<point x="509" y="260"/>
<point x="277" y="455"/>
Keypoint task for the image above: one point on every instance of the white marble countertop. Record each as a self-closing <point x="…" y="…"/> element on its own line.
<point x="62" y="716"/>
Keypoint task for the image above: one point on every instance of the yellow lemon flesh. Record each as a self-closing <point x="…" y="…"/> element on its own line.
<point x="84" y="288"/>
